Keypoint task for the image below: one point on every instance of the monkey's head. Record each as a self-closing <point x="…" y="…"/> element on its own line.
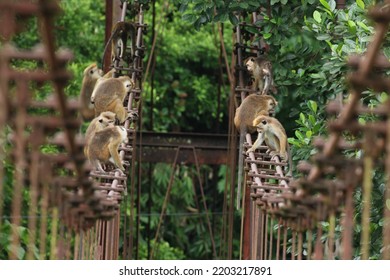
<point x="93" y="72"/>
<point x="106" y="119"/>
<point x="127" y="83"/>
<point x="271" y="104"/>
<point x="261" y="123"/>
<point x="250" y="63"/>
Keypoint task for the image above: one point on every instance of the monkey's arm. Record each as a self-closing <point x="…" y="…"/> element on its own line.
<point x="283" y="145"/>
<point x="258" y="142"/>
<point x="267" y="84"/>
<point x="113" y="148"/>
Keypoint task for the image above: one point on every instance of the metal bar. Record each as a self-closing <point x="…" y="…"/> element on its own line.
<point x="278" y="240"/>
<point x="271" y="240"/>
<point x="293" y="246"/>
<point x="107" y="34"/>
<point x="265" y="236"/>
<point x="164" y="206"/>
<point x="20" y="166"/>
<point x="204" y="203"/>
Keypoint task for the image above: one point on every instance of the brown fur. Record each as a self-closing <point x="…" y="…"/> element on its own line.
<point x="261" y="68"/>
<point x="273" y="134"/>
<point x="91" y="74"/>
<point x="104" y="145"/>
<point x="253" y="106"/>
<point x="109" y="95"/>
<point x="102" y="121"/>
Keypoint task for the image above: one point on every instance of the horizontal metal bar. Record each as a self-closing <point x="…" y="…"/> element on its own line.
<point x="161" y="147"/>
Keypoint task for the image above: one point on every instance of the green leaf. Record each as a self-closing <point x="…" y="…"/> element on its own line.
<point x="317" y="16"/>
<point x="302" y="117"/>
<point x="244" y="5"/>
<point x="199" y="7"/>
<point x="313" y="106"/>
<point x="284" y="2"/>
<point x="325" y="4"/>
<point x="252" y="29"/>
<point x="233" y="19"/>
<point x="267" y="35"/>
<point x="360" y="3"/>
<point x="363" y="25"/>
<point x="332" y="5"/>
<point x="299" y="135"/>
<point x="183" y="8"/>
<point x="312" y="119"/>
<point x="221" y="17"/>
<point x="273" y="2"/>
<point x="352" y="26"/>
<point x="191" y="18"/>
<point x="323" y="37"/>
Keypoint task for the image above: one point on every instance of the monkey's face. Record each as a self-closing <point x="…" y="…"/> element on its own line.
<point x="250" y="64"/>
<point x="129" y="85"/>
<point x="272" y="103"/>
<point x="95" y="73"/>
<point x="104" y="122"/>
<point x="106" y="119"/>
<point x="260" y="123"/>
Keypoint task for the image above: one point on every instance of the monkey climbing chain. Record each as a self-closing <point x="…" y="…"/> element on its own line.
<point x="283" y="218"/>
<point x="63" y="197"/>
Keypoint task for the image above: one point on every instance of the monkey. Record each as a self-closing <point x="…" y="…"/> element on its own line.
<point x="91" y="74"/>
<point x="109" y="94"/>
<point x="261" y="70"/>
<point x="272" y="132"/>
<point x="103" y="147"/>
<point x="102" y="121"/>
<point x="251" y="107"/>
<point x="121" y="32"/>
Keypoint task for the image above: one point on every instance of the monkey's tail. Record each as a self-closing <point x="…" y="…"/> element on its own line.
<point x="240" y="167"/>
<point x="105" y="50"/>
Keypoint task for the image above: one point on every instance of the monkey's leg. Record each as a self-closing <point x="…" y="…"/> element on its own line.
<point x="113" y="148"/>
<point x="121" y="112"/>
<point x="267" y="84"/>
<point x="259" y="85"/>
<point x="132" y="116"/>
<point x="283" y="147"/>
<point x="98" y="165"/>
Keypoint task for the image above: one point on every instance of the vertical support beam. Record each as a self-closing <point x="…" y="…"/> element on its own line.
<point x="340" y="4"/>
<point x="386" y="214"/>
<point x="107" y="34"/>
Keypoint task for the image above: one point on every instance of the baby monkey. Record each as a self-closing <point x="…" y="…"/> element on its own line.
<point x="261" y="70"/>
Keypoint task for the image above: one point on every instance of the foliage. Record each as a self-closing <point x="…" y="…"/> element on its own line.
<point x="310" y="124"/>
<point x="186" y="77"/>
